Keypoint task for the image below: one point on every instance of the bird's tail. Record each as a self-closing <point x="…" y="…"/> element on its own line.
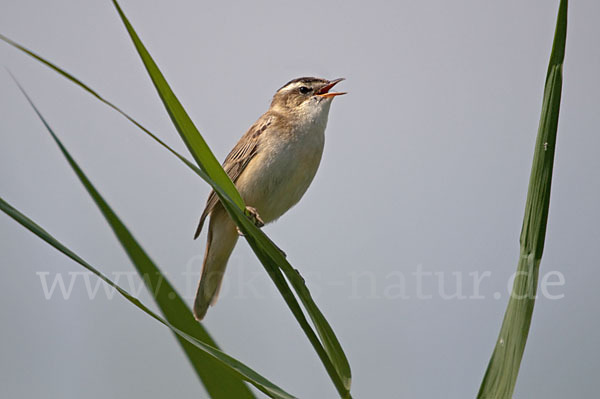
<point x="222" y="237"/>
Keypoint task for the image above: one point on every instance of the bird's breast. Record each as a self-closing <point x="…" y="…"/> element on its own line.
<point x="283" y="168"/>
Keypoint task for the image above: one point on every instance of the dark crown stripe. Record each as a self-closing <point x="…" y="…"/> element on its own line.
<point x="306" y="79"/>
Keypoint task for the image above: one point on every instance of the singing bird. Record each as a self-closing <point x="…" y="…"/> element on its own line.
<point x="271" y="166"/>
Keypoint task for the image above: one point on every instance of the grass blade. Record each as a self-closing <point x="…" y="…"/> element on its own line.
<point x="501" y="374"/>
<point x="183" y="123"/>
<point x="219" y="382"/>
<point x="332" y="355"/>
<point x="235" y="366"/>
<point x="95" y="94"/>
<point x="262" y="244"/>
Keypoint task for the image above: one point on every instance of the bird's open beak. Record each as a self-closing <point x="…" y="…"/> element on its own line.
<point x="324" y="91"/>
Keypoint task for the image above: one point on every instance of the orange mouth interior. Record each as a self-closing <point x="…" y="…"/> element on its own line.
<point x="324" y="91"/>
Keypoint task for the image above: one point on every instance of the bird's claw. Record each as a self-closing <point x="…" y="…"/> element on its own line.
<point x="253" y="215"/>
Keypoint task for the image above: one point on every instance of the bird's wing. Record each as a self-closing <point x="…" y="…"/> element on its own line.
<point x="236" y="162"/>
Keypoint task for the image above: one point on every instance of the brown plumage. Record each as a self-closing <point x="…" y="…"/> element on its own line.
<point x="236" y="161"/>
<point x="272" y="165"/>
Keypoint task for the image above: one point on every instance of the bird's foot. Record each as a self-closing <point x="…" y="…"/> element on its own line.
<point x="253" y="215"/>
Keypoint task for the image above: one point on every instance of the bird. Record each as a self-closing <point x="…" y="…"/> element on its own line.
<point x="272" y="166"/>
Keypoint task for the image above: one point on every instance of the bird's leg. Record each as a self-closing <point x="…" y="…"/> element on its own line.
<point x="253" y="215"/>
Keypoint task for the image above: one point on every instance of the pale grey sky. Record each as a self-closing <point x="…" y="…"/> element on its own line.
<point x="425" y="169"/>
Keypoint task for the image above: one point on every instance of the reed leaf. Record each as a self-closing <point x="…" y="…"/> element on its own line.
<point x="502" y="371"/>
<point x="267" y="252"/>
<point x="327" y="347"/>
<point x="218" y="381"/>
<point x="234" y="365"/>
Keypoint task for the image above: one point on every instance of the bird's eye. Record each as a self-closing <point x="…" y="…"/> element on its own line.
<point x="304" y="89"/>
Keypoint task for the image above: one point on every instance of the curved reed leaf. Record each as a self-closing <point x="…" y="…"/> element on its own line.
<point x="182" y="122"/>
<point x="331" y="355"/>
<point x="234" y="365"/>
<point x="219" y="382"/>
<point x="209" y="164"/>
<point x="502" y="371"/>
<point x="95" y="94"/>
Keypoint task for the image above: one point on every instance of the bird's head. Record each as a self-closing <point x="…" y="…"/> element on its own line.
<point x="305" y="96"/>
